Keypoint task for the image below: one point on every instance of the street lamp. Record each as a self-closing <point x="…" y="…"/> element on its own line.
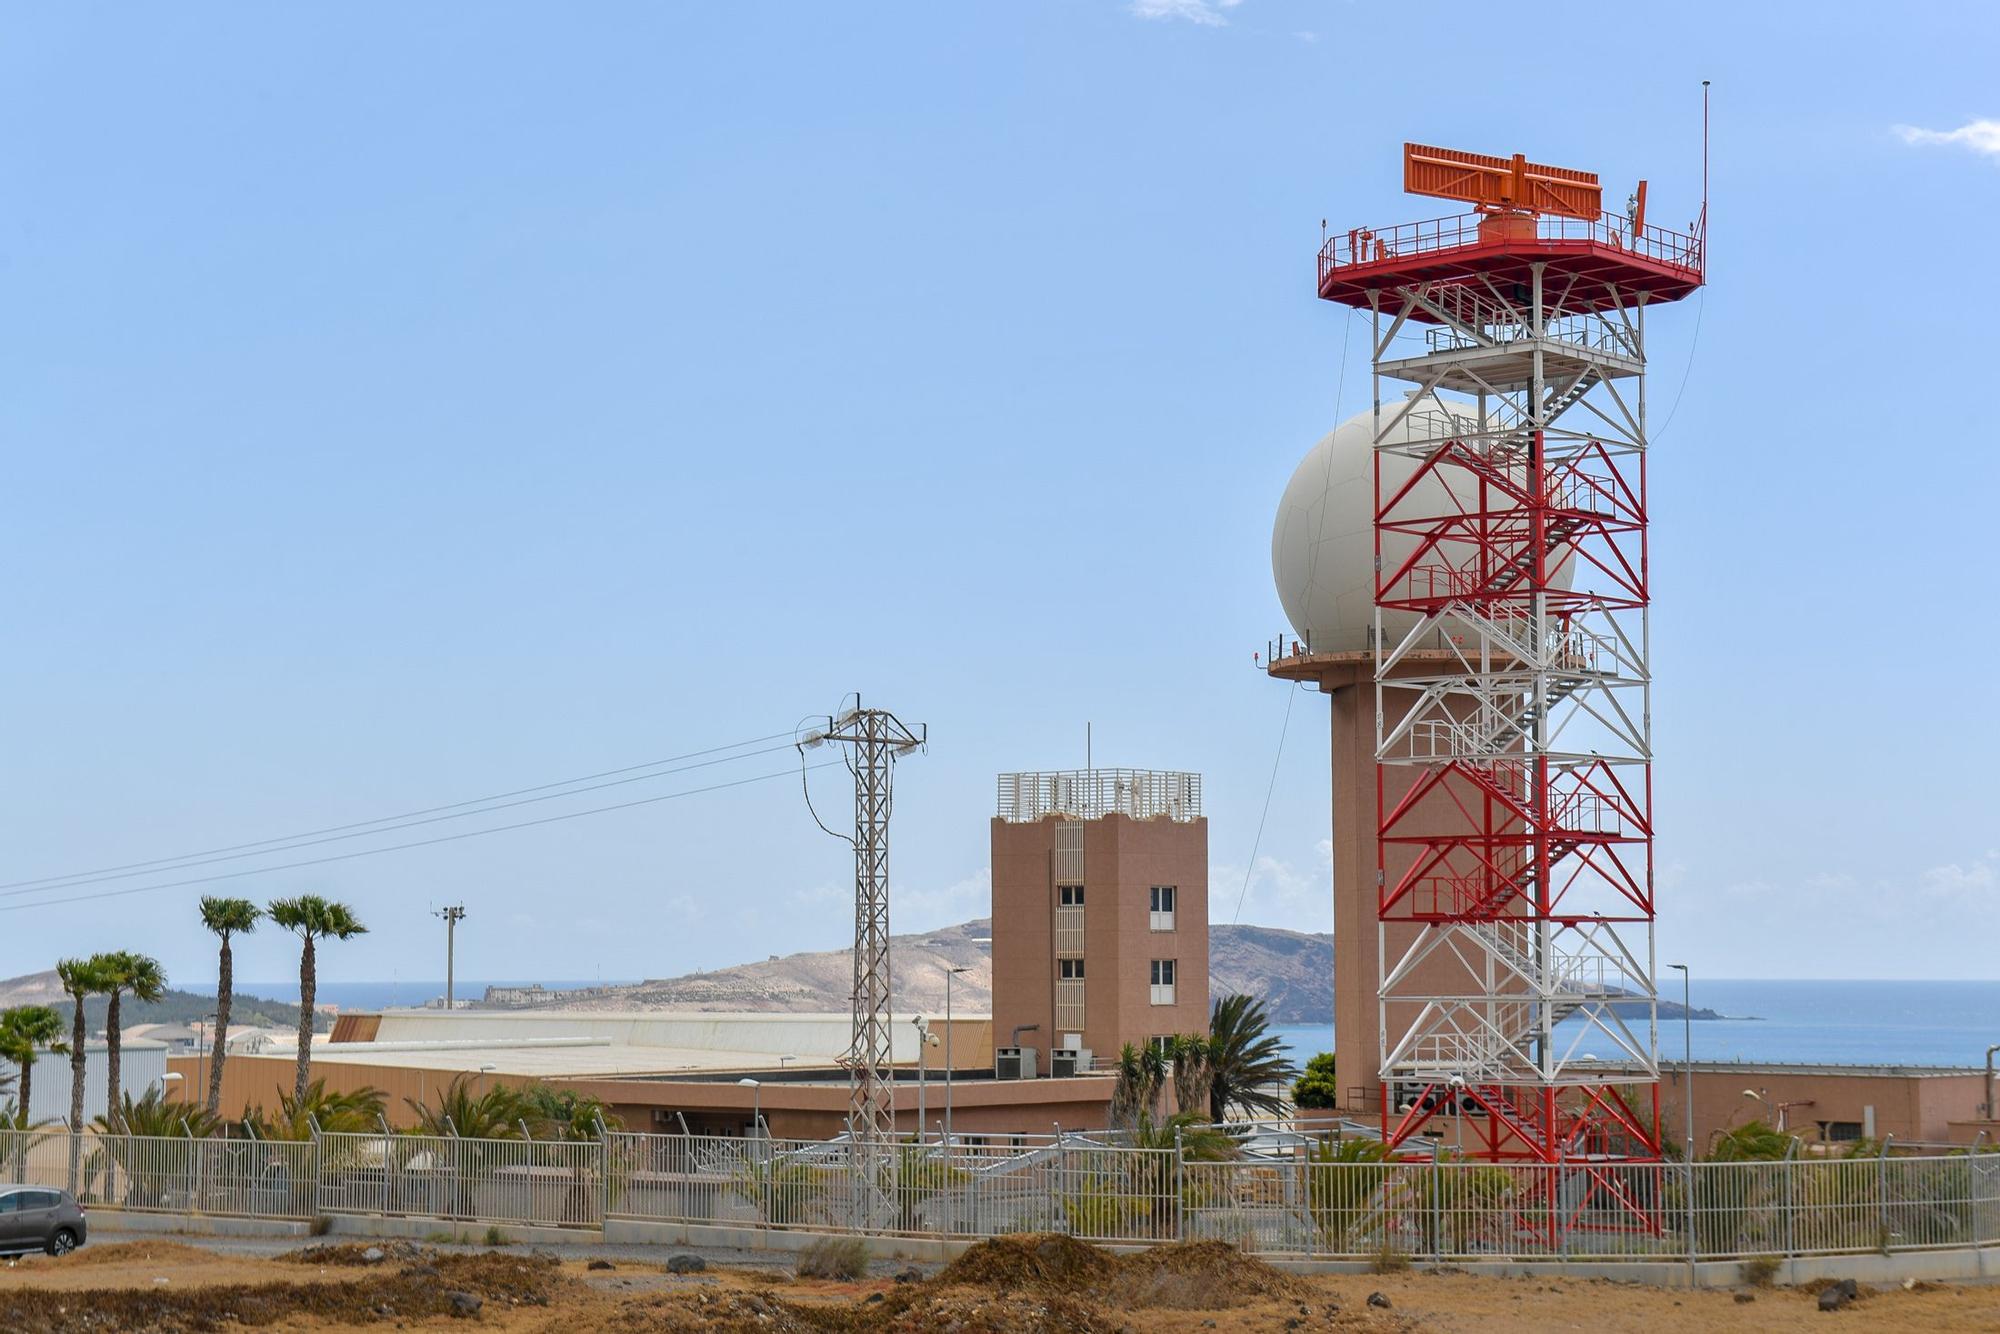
<point x="756" y="1105"/>
<point x="949" y="1067"/>
<point x="925" y="1038"/>
<point x="1687" y="1052"/>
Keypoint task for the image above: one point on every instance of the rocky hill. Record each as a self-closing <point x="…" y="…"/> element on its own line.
<point x="175" y="1007"/>
<point x="1292" y="971"/>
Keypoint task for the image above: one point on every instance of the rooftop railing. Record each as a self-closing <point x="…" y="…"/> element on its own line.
<point x="1091" y="794"/>
<point x="1373" y="245"/>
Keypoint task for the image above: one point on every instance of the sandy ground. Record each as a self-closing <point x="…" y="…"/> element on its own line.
<point x="171" y="1286"/>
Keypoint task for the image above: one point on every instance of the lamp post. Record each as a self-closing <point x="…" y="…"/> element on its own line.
<point x="925" y="1038"/>
<point x="1687" y="1052"/>
<point x="949" y="1067"/>
<point x="756" y="1105"/>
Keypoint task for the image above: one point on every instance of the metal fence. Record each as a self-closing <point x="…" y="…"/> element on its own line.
<point x="167" y="1174"/>
<point x="551" y="1183"/>
<point x="1300" y="1200"/>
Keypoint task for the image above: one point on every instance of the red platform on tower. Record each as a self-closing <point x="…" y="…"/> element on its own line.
<point x="1665" y="265"/>
<point x="1526" y="214"/>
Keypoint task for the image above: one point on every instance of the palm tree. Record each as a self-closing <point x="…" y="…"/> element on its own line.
<point x="80" y="978"/>
<point x="310" y="918"/>
<point x="352" y="1112"/>
<point x="1244" y="1060"/>
<point x="24" y="1032"/>
<point x="1138" y="1086"/>
<point x="565" y="1114"/>
<point x="225" y="917"/>
<point x="142" y="976"/>
<point x="495" y="1114"/>
<point x="1190" y="1073"/>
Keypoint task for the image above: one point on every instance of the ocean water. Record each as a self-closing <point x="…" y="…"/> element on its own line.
<point x="1830" y="1022"/>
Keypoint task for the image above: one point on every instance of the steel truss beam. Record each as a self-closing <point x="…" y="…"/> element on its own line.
<point x="1514" y="790"/>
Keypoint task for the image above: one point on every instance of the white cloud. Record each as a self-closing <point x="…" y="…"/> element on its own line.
<point x="1279" y="893"/>
<point x="1981" y="136"/>
<point x="1207" y="13"/>
<point x="1973" y="883"/>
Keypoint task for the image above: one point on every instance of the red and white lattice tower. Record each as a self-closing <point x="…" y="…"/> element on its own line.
<point x="1513" y="737"/>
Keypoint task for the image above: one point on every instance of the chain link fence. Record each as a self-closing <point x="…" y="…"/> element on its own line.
<point x="1302" y="1203"/>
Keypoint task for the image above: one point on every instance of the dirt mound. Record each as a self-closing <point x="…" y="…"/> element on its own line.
<point x="410" y="1292"/>
<point x="1198" y="1276"/>
<point x="343" y="1253"/>
<point x="1044" y="1261"/>
<point x="1192" y="1276"/>
<point x="132" y="1253"/>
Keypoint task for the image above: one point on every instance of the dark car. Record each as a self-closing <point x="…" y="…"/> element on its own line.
<point x="39" y="1218"/>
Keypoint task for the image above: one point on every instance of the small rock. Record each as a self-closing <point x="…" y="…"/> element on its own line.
<point x="1745" y="1298"/>
<point x="909" y="1276"/>
<point x="600" y="1264"/>
<point x="374" y="1255"/>
<point x="686" y="1264"/>
<point x="1831" y="1299"/>
<point x="463" y="1304"/>
<point x="874" y="1297"/>
<point x="1377" y="1299"/>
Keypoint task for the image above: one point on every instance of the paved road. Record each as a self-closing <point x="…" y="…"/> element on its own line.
<point x="264" y="1247"/>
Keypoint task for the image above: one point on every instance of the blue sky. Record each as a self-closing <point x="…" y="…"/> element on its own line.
<point x="407" y="403"/>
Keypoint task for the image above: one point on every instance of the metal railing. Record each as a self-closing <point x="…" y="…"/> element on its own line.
<point x="1090" y="794"/>
<point x="1296" y="1197"/>
<point x="550" y="1183"/>
<point x="168" y="1174"/>
<point x="1366" y="245"/>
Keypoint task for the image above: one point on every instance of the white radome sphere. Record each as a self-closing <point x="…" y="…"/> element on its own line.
<point x="1323" y="544"/>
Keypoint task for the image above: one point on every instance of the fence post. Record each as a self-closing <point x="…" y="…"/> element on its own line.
<point x="1180" y="1188"/>
<point x="1437" y="1193"/>
<point x="1882" y="1191"/>
<point x="604" y="1174"/>
<point x="1689" y="1210"/>
<point x="1791" y="1199"/>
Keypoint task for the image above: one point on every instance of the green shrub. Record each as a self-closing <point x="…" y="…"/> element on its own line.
<point x="1317" y="1088"/>
<point x="1759" y="1270"/>
<point x="835" y="1257"/>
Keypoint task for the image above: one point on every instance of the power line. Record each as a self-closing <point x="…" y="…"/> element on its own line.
<point x="403" y="847"/>
<point x="1290" y="698"/>
<point x="407" y="819"/>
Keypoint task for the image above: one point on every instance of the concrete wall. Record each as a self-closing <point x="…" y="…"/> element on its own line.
<point x="141" y="1063"/>
<point x="805" y="1108"/>
<point x="1913" y="1106"/>
<point x="807" y="1036"/>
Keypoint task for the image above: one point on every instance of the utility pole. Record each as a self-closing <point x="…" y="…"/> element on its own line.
<point x="452" y="917"/>
<point x="874" y="740"/>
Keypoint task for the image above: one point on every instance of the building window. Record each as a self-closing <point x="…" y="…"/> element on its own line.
<point x="1840" y="1132"/>
<point x="1069" y="919"/>
<point x="1070" y="970"/>
<point x="1162" y="908"/>
<point x="1163" y="981"/>
<point x="1163" y="1044"/>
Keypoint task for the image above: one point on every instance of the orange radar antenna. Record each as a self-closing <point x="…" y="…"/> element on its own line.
<point x="1501" y="185"/>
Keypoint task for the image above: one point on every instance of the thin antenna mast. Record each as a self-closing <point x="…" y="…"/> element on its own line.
<point x="1704" y="175"/>
<point x="452" y="917"/>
